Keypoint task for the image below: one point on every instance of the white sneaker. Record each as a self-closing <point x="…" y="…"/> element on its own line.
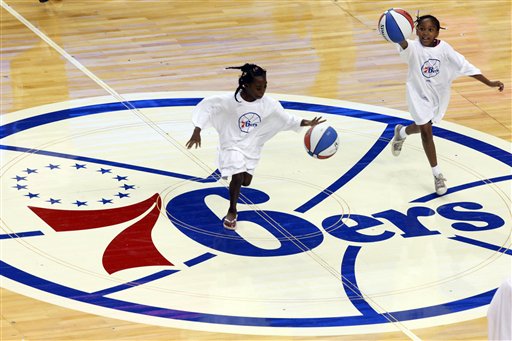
<point x="440" y="185"/>
<point x="397" y="142"/>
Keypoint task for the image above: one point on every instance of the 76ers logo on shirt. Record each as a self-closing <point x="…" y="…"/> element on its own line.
<point x="431" y="68"/>
<point x="248" y="121"/>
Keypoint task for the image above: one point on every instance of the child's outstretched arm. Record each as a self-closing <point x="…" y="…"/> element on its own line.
<point x="492" y="84"/>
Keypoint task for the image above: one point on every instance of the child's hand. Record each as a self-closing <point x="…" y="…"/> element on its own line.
<point x="486" y="81"/>
<point x="195" y="139"/>
<point x="313" y="122"/>
<point x="497" y="84"/>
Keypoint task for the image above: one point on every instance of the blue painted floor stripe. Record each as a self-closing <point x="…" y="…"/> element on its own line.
<point x="199" y="259"/>
<point x="135" y="283"/>
<point x="483" y="244"/>
<point x="21" y="234"/>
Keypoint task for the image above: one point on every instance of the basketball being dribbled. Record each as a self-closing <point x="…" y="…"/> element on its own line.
<point x="395" y="25"/>
<point x="321" y="141"/>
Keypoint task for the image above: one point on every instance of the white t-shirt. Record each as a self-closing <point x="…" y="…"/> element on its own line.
<point x="243" y="128"/>
<point x="499" y="315"/>
<point x="431" y="73"/>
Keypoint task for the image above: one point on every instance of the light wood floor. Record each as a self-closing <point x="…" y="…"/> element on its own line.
<point x="323" y="48"/>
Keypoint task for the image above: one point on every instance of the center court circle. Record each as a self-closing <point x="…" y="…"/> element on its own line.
<point x="398" y="255"/>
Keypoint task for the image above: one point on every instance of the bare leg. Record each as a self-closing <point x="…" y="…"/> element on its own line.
<point x="412" y="128"/>
<point x="237" y="181"/>
<point x="234" y="193"/>
<point x="427" y="139"/>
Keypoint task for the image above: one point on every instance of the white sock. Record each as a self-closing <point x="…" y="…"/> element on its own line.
<point x="403" y="134"/>
<point x="436" y="171"/>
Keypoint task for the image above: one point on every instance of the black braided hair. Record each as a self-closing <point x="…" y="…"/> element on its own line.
<point x="249" y="71"/>
<point x="434" y="20"/>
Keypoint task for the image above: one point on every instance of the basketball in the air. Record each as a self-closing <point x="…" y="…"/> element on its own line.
<point x="395" y="25"/>
<point x="321" y="141"/>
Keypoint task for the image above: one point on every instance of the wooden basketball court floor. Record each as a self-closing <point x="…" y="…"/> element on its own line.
<point x="320" y="48"/>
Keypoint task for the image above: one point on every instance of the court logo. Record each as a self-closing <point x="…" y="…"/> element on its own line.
<point x="115" y="219"/>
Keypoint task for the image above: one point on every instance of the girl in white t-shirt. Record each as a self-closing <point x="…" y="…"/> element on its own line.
<point x="244" y="122"/>
<point x="433" y="65"/>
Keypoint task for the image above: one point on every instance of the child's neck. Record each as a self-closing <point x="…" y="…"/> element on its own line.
<point x="435" y="42"/>
<point x="247" y="97"/>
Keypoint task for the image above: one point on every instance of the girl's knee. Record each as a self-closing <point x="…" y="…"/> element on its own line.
<point x="426" y="135"/>
<point x="425" y="130"/>
<point x="246" y="179"/>
<point x="237" y="179"/>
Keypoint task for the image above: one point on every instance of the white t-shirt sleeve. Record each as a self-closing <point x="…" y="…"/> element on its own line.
<point x="405" y="54"/>
<point x="286" y="120"/>
<point x="460" y="64"/>
<point x="203" y="111"/>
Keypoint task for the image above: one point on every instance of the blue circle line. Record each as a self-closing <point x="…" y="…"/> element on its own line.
<point x="336" y="321"/>
<point x="59" y="115"/>
<point x="34" y="121"/>
<point x="349" y="280"/>
<point x="60" y="290"/>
